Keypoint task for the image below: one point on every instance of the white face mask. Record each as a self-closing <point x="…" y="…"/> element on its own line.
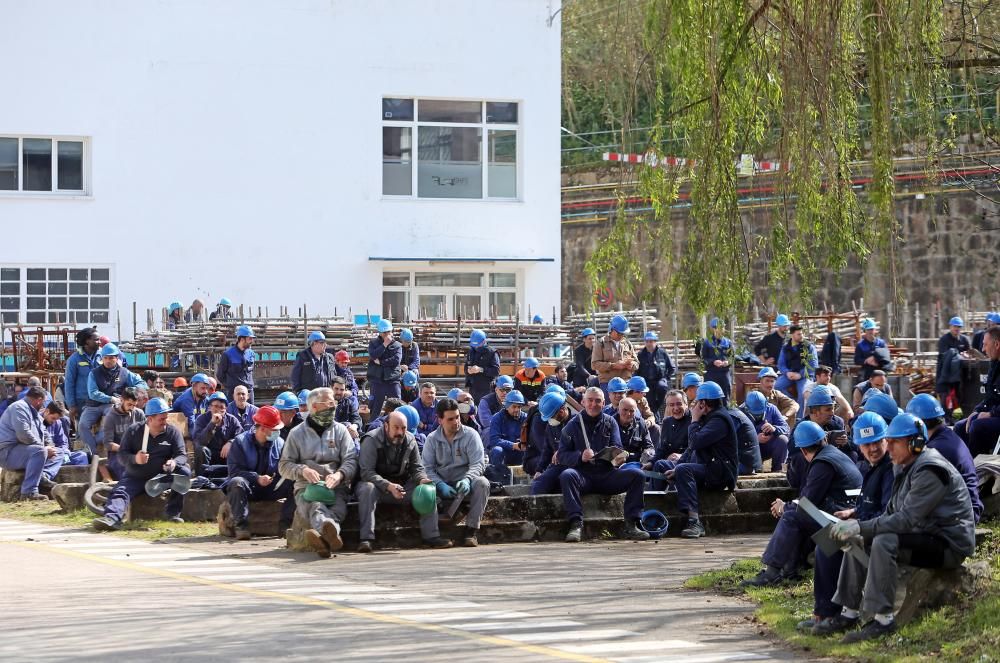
<point x="465" y="408"/>
<point x="554" y="422"/>
<point x="273" y="435"/>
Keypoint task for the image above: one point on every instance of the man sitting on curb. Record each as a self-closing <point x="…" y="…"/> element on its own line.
<point x="22" y="443"/>
<point x="320" y="451"/>
<point x="118" y="420"/>
<point x="454" y="461"/>
<point x="634" y="432"/>
<point x="786" y="405"/>
<point x="771" y="428"/>
<point x="214" y="433"/>
<point x="391" y="470"/>
<point x="505" y="446"/>
<point x="554" y="413"/>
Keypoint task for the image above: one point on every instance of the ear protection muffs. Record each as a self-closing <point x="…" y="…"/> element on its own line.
<point x="919" y="441"/>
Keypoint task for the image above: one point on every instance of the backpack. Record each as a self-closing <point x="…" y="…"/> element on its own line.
<point x="830" y="354"/>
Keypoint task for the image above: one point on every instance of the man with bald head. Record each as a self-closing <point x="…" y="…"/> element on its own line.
<point x="391" y="468"/>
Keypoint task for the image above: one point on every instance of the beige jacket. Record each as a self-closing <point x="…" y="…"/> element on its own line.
<point x="786" y="405"/>
<point x="605" y="354"/>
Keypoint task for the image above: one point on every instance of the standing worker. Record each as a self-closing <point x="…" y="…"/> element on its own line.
<point x="314" y="366"/>
<point x="105" y="385"/>
<point x="769" y="347"/>
<point x="871" y="353"/>
<point x="797" y="365"/>
<point x="78" y="368"/>
<point x="582" y="371"/>
<point x="992" y="320"/>
<point x="236" y="363"/>
<point x="175" y="315"/>
<point x="411" y="352"/>
<point x="658" y="371"/>
<point x="384" y="357"/>
<point x="482" y="365"/>
<point x="614" y="356"/>
<point x="222" y="310"/>
<point x="717" y="354"/>
<point x="953" y="347"/>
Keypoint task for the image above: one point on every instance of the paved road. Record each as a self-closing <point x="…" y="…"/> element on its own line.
<point x="76" y="594"/>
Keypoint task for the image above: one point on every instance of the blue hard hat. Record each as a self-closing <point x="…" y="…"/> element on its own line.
<point x="412" y="417"/>
<point x="245" y="330"/>
<point x="286" y="400"/>
<point x="156" y="406"/>
<point x="925" y="406"/>
<point x="530" y="362"/>
<point x="550" y="403"/>
<point x="199" y="377"/>
<point x="619" y="323"/>
<point x="537" y="320"/>
<point x="766" y="372"/>
<point x="617" y="386"/>
<point x="477" y="338"/>
<point x="756" y="403"/>
<point x="410" y="379"/>
<point x="820" y="396"/>
<point x="654" y="523"/>
<point x="906" y="426"/>
<point x="218" y="396"/>
<point x="867" y="324"/>
<point x="637" y="383"/>
<point x="650" y="336"/>
<point x="316" y="336"/>
<point x="883" y="405"/>
<point x="868" y="428"/>
<point x="175" y="306"/>
<point x="957" y="322"/>
<point x="303" y="395"/>
<point x="406" y="334"/>
<point x="513" y="398"/>
<point x="993" y="317"/>
<point x="691" y="380"/>
<point x="454" y="393"/>
<point x="555" y="388"/>
<point x="225" y="302"/>
<point x="505" y="381"/>
<point x="587" y="331"/>
<point x="808" y="434"/>
<point x="383" y="326"/>
<point x="713" y="323"/>
<point x="781" y="320"/>
<point x="110" y="350"/>
<point x="709" y="391"/>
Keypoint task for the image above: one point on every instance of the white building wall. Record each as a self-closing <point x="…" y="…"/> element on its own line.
<point x="235" y="145"/>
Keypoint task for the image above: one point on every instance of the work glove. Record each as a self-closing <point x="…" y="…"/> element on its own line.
<point x="845" y="530"/>
<point x="464" y="486"/>
<point x="445" y="490"/>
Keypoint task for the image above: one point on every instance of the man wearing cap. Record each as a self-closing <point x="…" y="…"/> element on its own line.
<point x="410" y="390"/>
<point x="582" y="370"/>
<point x="871" y="353"/>
<point x="105" y="383"/>
<point x="482" y="365"/>
<point x="613" y="355"/>
<point x="992" y="320"/>
<point x="657" y="370"/>
<point x="411" y="352"/>
<point x="288" y="406"/>
<point x="252" y="465"/>
<point x="192" y="402"/>
<point x="877" y="383"/>
<point x="717" y="354"/>
<point x="530" y="381"/>
<point x="454" y="461"/>
<point x="346" y="413"/>
<point x="928" y="523"/>
<point x="385" y="355"/>
<point x="952" y="348"/>
<point x="466" y="410"/>
<point x="785" y="404"/>
<point x="236" y="363"/>
<point x="314" y="366"/>
<point x="213" y="435"/>
<point x="320" y="451"/>
<point x="824" y="378"/>
<point x="771" y="428"/>
<point x="819" y="410"/>
<point x="241" y="408"/>
<point x="981" y="428"/>
<point x="223" y="310"/>
<point x="768" y="348"/>
<point x="23" y="443"/>
<point x="797" y="364"/>
<point x="637" y="389"/>
<point x="343" y="369"/>
<point x="540" y="459"/>
<point x="148" y="450"/>
<point x="634" y="432"/>
<point x="425" y="404"/>
<point x="175" y="315"/>
<point x="492" y="403"/>
<point x="504" y="442"/>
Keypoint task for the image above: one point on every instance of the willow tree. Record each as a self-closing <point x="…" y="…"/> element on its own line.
<point x="782" y="80"/>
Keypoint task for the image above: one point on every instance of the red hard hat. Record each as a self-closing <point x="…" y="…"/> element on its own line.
<point x="104" y="340"/>
<point x="180" y="382"/>
<point x="342" y="355"/>
<point x="268" y="417"/>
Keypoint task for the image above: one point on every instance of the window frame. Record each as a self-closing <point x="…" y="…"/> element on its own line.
<point x="55" y="191"/>
<point x="66" y="315"/>
<point x="412" y="291"/>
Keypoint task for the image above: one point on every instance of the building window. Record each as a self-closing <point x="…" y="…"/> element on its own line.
<point x="449" y="137"/>
<point x="33" y="164"/>
<point x="55" y="295"/>
<point x="433" y="295"/>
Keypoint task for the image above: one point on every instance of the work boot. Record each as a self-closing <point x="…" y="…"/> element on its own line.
<point x="769" y="576"/>
<point x="835" y="624"/>
<point x="575" y="532"/>
<point x="331" y="534"/>
<point x="46" y="484"/>
<point x="633" y="532"/>
<point x="175" y="519"/>
<point x="283" y="527"/>
<point x="438" y="543"/>
<point x="33" y="497"/>
<point x="106" y="524"/>
<point x="870" y="631"/>
<point x="806" y="625"/>
<point x="225" y="527"/>
<point x="470" y="540"/>
<point x="365" y="547"/>
<point x="317" y="543"/>
<point x="693" y="530"/>
<point x="242" y="533"/>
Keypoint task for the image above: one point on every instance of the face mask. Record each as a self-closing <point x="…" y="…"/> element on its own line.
<point x="273" y="435"/>
<point x="324" y="418"/>
<point x="553" y="422"/>
<point x="465" y="408"/>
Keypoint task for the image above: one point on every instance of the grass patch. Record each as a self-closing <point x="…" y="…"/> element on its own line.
<point x="968" y="630"/>
<point x="49" y="513"/>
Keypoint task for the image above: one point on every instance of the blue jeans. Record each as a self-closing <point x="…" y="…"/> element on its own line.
<point x="31" y="458"/>
<point x="576" y="483"/>
<point x="782" y="384"/>
<point x="92" y="415"/>
<point x="129" y="488"/>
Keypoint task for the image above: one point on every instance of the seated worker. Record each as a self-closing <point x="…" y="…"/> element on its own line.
<point x="876" y="488"/>
<point x="786" y="404"/>
<point x="748" y="454"/>
<point x="591" y="469"/>
<point x="504" y="444"/>
<point x="346" y="411"/>
<point x="561" y="378"/>
<point x="673" y="436"/>
<point x="530" y="381"/>
<point x="105" y="383"/>
<point x="303" y="397"/>
<point x="634" y="432"/>
<point x="453" y="459"/>
<point x="58" y="432"/>
<point x="242" y="408"/>
<point x="343" y="369"/>
<point x="981" y="428"/>
<point x="412" y="424"/>
<point x="553" y="413"/>
<point x="947" y="443"/>
<point x="467" y="410"/>
<point x="492" y="403"/>
<point x="819" y="410"/>
<point x="824" y="378"/>
<point x="287" y="405"/>
<point x="711" y="458"/>
<point x="636" y="389"/>
<point x="148" y="450"/>
<point x="771" y="428"/>
<point x="425" y="408"/>
<point x="214" y="432"/>
<point x="119" y="419"/>
<point x="884" y="406"/>
<point x="22" y="444"/>
<point x="389" y="405"/>
<point x="391" y="470"/>
<point x="928" y="523"/>
<point x="192" y="401"/>
<point x="831" y="483"/>
<point x="862" y="390"/>
<point x="410" y="392"/>
<point x="689" y="385"/>
<point x="320" y="451"/>
<point x="411" y="351"/>
<point x="252" y="463"/>
<point x="617" y="388"/>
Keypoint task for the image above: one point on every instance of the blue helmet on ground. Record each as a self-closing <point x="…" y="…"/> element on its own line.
<point x="412" y="417"/>
<point x="530" y="362"/>
<point x="709" y="391"/>
<point x="245" y="330"/>
<point x="550" y="403"/>
<point x="619" y="323"/>
<point x="924" y="406"/>
<point x="110" y="350"/>
<point x="513" y="398"/>
<point x="587" y="331"/>
<point x="691" y="380"/>
<point x="316" y="336"/>
<point x="286" y="400"/>
<point x="555" y="388"/>
<point x="410" y="379"/>
<point x="766" y="372"/>
<point x="303" y="395"/>
<point x="156" y="406"/>
<point x="537" y="320"/>
<point x="650" y="336"/>
<point x="199" y="377"/>
<point x="477" y="338"/>
<point x="808" y="434"/>
<point x="406" y="334"/>
<point x="654" y="523"/>
<point x="956" y="322"/>
<point x="383" y="326"/>
<point x="617" y="386"/>
<point x="174" y="306"/>
<point x="756" y="403"/>
<point x="883" y="405"/>
<point x="225" y="302"/>
<point x="907" y="425"/>
<point x="454" y="393"/>
<point x="819" y="397"/>
<point x="218" y="396"/>
<point x="781" y="320"/>
<point x="993" y="317"/>
<point x="637" y="383"/>
<point x="867" y="324"/>
<point x="868" y="428"/>
<point x="504" y="382"/>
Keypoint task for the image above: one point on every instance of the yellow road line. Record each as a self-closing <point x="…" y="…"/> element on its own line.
<point x="319" y="603"/>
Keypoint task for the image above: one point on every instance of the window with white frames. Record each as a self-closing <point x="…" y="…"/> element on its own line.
<point x="447" y="295"/>
<point x="42" y="164"/>
<point x="55" y="294"/>
<point x="433" y="148"/>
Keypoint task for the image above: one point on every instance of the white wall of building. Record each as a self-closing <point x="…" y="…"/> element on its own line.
<point x="235" y="145"/>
